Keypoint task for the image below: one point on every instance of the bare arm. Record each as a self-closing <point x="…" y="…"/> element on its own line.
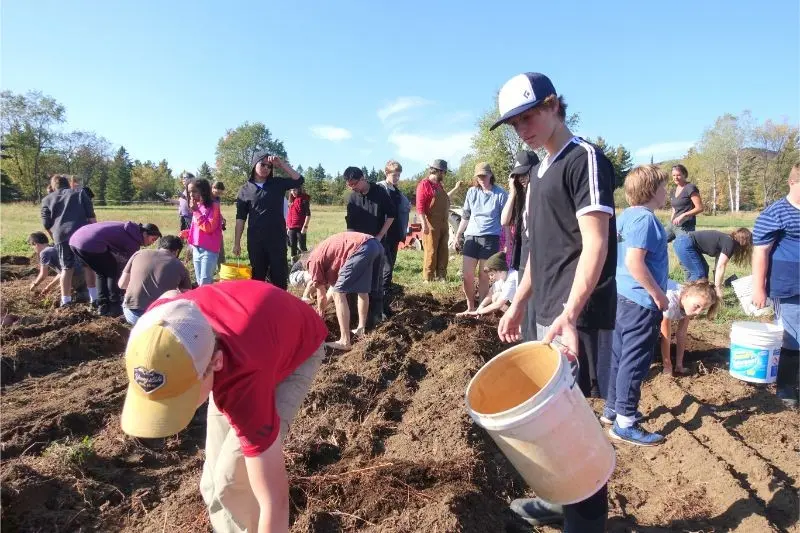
<point x="634" y="261"/>
<point x="760" y="264"/>
<point x="52" y="282"/>
<point x="719" y="272"/>
<point x="491" y="307"/>
<point x="237" y="237"/>
<point x="304" y="229"/>
<point x="508" y="209"/>
<point x="386" y="225"/>
<point x="508" y="328"/>
<point x="270" y="485"/>
<point x="680" y="339"/>
<point x="666" y="333"/>
<point x="454" y="189"/>
<point x="594" y="238"/>
<point x="125" y="277"/>
<point x="40" y="277"/>
<point x="322" y="299"/>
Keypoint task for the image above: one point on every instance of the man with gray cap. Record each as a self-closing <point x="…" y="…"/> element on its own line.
<point x="433" y="207"/>
<point x="261" y="199"/>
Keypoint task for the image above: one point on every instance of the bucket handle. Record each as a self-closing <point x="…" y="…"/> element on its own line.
<point x="574" y="363"/>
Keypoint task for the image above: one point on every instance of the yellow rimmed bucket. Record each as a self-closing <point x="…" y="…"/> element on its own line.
<point x="231" y="271"/>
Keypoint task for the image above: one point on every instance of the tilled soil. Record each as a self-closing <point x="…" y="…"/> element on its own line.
<point x="382" y="442"/>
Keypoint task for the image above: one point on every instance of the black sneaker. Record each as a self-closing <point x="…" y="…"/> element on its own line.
<point x="537" y="512"/>
<point x="788" y="397"/>
<point x="114" y="310"/>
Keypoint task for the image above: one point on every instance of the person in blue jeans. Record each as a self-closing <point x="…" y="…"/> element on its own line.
<point x="736" y="247"/>
<point x="776" y="272"/>
<point x="642" y="273"/>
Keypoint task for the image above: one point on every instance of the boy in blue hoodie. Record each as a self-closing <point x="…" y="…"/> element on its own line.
<point x="642" y="272"/>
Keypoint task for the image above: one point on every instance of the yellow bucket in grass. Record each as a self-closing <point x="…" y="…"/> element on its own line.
<point x="231" y="272"/>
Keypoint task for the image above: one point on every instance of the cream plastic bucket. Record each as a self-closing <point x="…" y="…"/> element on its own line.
<point x="528" y="401"/>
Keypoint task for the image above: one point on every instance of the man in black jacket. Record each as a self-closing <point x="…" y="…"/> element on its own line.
<point x="64" y="211"/>
<point x="261" y="199"/>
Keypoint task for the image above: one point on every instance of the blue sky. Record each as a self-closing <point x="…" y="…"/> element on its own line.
<point x="359" y="82"/>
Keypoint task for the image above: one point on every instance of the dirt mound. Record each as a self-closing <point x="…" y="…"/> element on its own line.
<point x="363" y="451"/>
<point x="16" y="267"/>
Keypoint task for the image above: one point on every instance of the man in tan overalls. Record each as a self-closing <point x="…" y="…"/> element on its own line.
<point x="433" y="207"/>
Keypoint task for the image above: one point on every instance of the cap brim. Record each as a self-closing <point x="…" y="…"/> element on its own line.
<point x="153" y="419"/>
<point x="508" y="115"/>
<point x="524" y="169"/>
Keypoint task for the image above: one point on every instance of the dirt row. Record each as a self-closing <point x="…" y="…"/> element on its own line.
<point x="382" y="443"/>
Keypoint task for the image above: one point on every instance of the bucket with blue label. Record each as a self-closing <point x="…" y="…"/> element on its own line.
<point x="755" y="351"/>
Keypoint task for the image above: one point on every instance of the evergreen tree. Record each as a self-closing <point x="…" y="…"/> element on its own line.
<point x="119" y="186"/>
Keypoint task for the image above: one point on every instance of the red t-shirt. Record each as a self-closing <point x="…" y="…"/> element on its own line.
<point x="329" y="256"/>
<point x="265" y="333"/>
<point x="426" y="190"/>
<point x="299" y="209"/>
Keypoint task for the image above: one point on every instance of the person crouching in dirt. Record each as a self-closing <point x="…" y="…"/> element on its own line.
<point x="149" y="274"/>
<point x="105" y="247"/>
<point x="350" y="263"/>
<point x="776" y="272"/>
<point x="433" y="207"/>
<point x="252" y="350"/>
<point x="504" y="286"/>
<point x="48" y="258"/>
<point x="685" y="302"/>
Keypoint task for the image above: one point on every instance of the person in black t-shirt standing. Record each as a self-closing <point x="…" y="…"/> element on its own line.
<point x="369" y="208"/>
<point x="261" y="199"/>
<point x="572" y="263"/>
<point x="397" y="232"/>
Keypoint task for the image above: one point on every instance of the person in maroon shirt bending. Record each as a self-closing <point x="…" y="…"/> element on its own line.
<point x="350" y="263"/>
<point x="252" y="350"/>
<point x="297" y="220"/>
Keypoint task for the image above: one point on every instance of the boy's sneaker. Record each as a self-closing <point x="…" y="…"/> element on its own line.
<point x="635" y="435"/>
<point x="609" y="415"/>
<point x="538" y="512"/>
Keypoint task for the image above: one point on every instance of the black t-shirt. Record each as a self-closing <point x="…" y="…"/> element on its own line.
<point x="683" y="204"/>
<point x="578" y="180"/>
<point x="366" y="213"/>
<point x="712" y="242"/>
<point x="264" y="206"/>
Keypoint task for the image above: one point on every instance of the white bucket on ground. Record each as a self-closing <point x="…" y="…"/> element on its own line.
<point x="527" y="400"/>
<point x="755" y="351"/>
<point x="743" y="288"/>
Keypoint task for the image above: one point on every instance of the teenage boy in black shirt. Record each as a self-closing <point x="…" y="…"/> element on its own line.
<point x="261" y="200"/>
<point x="370" y="210"/>
<point x="571" y="267"/>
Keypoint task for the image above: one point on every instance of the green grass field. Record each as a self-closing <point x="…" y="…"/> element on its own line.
<point x="17" y="221"/>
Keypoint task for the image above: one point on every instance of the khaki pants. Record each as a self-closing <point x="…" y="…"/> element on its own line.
<point x="225" y="487"/>
<point x="434" y="246"/>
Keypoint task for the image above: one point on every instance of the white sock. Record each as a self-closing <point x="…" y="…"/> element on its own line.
<point x="66" y="299"/>
<point x="625" y="421"/>
<point x="92" y="293"/>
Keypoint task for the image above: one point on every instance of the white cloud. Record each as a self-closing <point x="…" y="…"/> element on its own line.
<point x="422" y="148"/>
<point x="665" y="150"/>
<point x="330" y="133"/>
<point x="404" y="103"/>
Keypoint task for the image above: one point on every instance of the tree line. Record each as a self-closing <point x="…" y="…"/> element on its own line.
<point x="738" y="164"/>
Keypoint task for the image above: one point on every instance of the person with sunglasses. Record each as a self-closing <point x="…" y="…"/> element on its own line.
<point x="261" y="200"/>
